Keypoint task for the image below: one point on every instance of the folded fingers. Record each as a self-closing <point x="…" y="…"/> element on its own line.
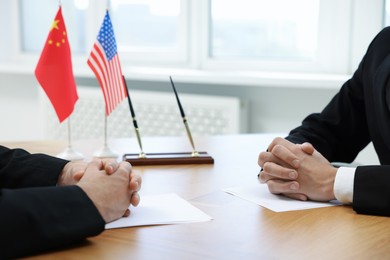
<point x="273" y="171"/>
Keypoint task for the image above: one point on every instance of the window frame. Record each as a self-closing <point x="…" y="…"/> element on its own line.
<point x="352" y="41"/>
<point x="328" y="60"/>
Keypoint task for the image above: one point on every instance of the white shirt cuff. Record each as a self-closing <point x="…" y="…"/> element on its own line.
<point x="343" y="184"/>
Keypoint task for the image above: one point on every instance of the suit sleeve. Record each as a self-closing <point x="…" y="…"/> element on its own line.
<point x="340" y="131"/>
<point x="19" y="169"/>
<point x="35" y="214"/>
<point x="372" y="190"/>
<point x="349" y="122"/>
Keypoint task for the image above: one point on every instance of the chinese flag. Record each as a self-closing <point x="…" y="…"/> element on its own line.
<point x="54" y="70"/>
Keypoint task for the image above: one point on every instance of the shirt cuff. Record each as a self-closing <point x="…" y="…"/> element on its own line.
<point x="343" y="184"/>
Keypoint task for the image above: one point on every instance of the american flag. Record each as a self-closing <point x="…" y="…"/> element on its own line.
<point x="104" y="62"/>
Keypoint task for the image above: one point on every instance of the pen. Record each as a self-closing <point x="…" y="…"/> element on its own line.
<point x="142" y="154"/>
<point x="194" y="152"/>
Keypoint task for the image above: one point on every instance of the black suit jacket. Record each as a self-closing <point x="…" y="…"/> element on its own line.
<point x="357" y="115"/>
<point x="35" y="214"/>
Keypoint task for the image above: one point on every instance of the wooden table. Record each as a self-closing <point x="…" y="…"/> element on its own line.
<point x="240" y="229"/>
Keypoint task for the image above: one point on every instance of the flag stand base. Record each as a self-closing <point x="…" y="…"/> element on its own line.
<point x="105" y="152"/>
<point x="71" y="155"/>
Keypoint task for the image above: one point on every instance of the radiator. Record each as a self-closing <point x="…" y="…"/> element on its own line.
<point x="157" y="115"/>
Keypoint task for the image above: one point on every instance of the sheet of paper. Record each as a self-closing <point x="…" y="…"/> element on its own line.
<point x="160" y="210"/>
<point x="259" y="194"/>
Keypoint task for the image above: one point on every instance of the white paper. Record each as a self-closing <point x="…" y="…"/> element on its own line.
<point x="260" y="195"/>
<point x="160" y="210"/>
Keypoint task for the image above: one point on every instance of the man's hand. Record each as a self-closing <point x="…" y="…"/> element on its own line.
<point x="73" y="171"/>
<point x="297" y="171"/>
<point x="112" y="192"/>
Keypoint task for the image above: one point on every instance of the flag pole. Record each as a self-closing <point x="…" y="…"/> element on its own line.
<point x="69" y="153"/>
<point x="69" y="134"/>
<point x="110" y="88"/>
<point x="105" y="151"/>
<point x="105" y="130"/>
<point x="54" y="73"/>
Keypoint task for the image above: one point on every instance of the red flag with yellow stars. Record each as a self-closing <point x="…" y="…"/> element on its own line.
<point x="54" y="70"/>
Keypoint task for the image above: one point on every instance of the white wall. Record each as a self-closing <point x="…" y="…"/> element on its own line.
<point x="19" y="108"/>
<point x="271" y="109"/>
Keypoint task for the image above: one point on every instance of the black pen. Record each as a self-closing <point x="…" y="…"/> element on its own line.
<point x="194" y="152"/>
<point x="142" y="154"/>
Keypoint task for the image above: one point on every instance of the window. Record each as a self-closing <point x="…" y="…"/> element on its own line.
<point x="35" y="23"/>
<point x="279" y="35"/>
<point x="315" y="36"/>
<point x="387" y="13"/>
<point x="146" y="24"/>
<point x="143" y="28"/>
<point x="261" y="29"/>
<point x="150" y="29"/>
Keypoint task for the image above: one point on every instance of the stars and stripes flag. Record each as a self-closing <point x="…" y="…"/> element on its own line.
<point x="104" y="62"/>
<point x="54" y="70"/>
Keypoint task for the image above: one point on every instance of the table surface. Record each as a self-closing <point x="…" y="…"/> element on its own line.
<point x="239" y="229"/>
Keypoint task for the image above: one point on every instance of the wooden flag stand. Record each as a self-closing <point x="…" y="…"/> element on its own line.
<point x="193" y="157"/>
<point x="168" y="158"/>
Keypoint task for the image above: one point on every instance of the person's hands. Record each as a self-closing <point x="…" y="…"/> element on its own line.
<point x="134" y="187"/>
<point x="135" y="182"/>
<point x="279" y="165"/>
<point x="112" y="192"/>
<point x="280" y="161"/>
<point x="110" y="167"/>
<point x="297" y="171"/>
<point x="73" y="171"/>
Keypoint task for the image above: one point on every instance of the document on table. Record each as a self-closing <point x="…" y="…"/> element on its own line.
<point x="260" y="195"/>
<point x="160" y="210"/>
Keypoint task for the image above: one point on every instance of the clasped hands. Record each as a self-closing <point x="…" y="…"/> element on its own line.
<point x="297" y="171"/>
<point x="110" y="185"/>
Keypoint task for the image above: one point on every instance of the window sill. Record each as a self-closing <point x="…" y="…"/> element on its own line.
<point x="217" y="77"/>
